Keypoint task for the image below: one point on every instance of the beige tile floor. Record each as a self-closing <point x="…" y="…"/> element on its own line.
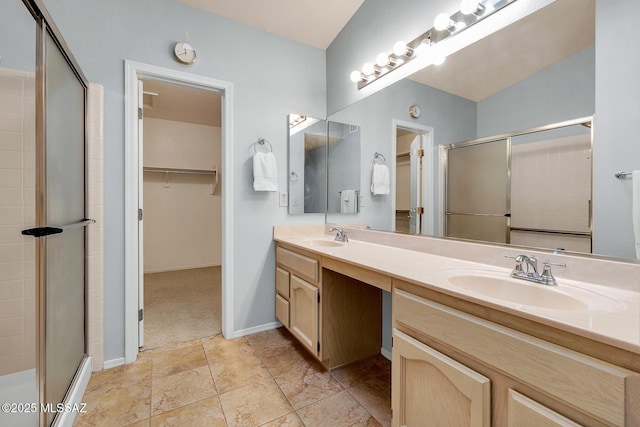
<point x="265" y="379"/>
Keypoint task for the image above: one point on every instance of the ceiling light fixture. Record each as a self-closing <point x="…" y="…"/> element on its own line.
<point x="445" y="26"/>
<point x="469" y="7"/>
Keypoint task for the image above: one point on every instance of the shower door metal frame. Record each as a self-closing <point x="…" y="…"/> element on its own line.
<point x="45" y="26"/>
<point x="444" y="160"/>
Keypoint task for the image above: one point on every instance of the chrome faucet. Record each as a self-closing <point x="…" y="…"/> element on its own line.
<point x="531" y="274"/>
<point x="341" y="235"/>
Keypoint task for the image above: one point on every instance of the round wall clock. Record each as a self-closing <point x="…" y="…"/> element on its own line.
<point x="185" y="53"/>
<point x="414" y="111"/>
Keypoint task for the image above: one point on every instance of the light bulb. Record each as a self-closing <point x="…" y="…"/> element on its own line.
<point x="382" y="59"/>
<point x="355" y="76"/>
<point x="368" y="69"/>
<point x="443" y="22"/>
<point x="401" y="49"/>
<point x="469" y="6"/>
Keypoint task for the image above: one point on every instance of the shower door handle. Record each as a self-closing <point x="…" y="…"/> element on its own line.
<point x="47" y="231"/>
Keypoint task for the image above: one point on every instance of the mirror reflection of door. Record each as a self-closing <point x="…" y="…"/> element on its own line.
<point x="409" y="153"/>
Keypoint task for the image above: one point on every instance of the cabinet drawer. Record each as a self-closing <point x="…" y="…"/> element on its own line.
<point x="525" y="412"/>
<point x="302" y="265"/>
<point x="597" y="388"/>
<point x="282" y="282"/>
<point x="282" y="310"/>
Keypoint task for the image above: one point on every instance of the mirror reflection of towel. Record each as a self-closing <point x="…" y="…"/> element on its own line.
<point x="380" y="179"/>
<point x="348" y="201"/>
<point x="265" y="176"/>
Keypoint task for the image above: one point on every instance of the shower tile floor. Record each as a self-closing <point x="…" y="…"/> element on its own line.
<point x="265" y="379"/>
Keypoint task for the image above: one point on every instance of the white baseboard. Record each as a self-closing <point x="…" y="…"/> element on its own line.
<point x="189" y="267"/>
<point x="386" y="353"/>
<point x="254" y="330"/>
<point x="74" y="399"/>
<point x="113" y="363"/>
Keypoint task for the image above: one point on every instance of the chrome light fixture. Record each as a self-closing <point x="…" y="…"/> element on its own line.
<point x="445" y="26"/>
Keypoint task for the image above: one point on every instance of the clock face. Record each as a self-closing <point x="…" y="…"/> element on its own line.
<point x="414" y="111"/>
<point x="185" y="53"/>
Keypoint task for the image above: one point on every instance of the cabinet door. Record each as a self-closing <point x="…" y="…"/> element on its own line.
<point x="303" y="312"/>
<point x="431" y="389"/>
<point x="524" y="412"/>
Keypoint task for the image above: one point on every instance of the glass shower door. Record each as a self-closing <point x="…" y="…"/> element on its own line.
<point x="61" y="185"/>
<point x="477" y="193"/>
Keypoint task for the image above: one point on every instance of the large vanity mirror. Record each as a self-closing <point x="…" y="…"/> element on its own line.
<point x="519" y="83"/>
<point x="323" y="176"/>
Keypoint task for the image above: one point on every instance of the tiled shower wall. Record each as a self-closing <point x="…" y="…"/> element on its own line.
<point x="17" y="212"/>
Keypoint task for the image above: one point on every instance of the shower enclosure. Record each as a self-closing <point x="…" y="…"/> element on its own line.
<point x="43" y="218"/>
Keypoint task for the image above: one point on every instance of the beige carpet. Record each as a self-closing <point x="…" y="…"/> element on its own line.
<point x="181" y="306"/>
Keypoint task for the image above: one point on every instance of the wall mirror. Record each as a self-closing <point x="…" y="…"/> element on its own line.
<point x="536" y="72"/>
<point x="323" y="175"/>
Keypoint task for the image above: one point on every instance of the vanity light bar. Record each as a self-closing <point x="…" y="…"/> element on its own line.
<point x="445" y="26"/>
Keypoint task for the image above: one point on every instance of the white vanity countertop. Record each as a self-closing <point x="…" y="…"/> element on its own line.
<point x="606" y="314"/>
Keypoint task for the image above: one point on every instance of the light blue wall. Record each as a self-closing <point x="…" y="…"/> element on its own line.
<point x="616" y="129"/>
<point x="563" y="91"/>
<point x="272" y="77"/>
<point x="17" y="37"/>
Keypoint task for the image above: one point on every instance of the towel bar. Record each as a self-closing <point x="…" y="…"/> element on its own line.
<point x="622" y="175"/>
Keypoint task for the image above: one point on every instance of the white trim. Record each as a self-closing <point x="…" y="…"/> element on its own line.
<point x="134" y="71"/>
<point x="431" y="159"/>
<point x="75" y="395"/>
<point x="386" y="353"/>
<point x="186" y="267"/>
<point x="113" y="363"/>
<point x="255" y="329"/>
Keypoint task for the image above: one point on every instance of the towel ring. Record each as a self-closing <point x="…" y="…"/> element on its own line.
<point x="379" y="157"/>
<point x="262" y="141"/>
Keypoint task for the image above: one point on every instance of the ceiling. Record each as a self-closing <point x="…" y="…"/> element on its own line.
<point x="315" y="23"/>
<point x="495" y="62"/>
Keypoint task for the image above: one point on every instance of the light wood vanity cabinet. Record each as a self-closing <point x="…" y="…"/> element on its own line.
<point x="337" y="318"/>
<point x="297" y="299"/>
<point x="442" y="351"/>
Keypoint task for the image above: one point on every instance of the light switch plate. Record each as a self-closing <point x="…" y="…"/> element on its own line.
<point x="284" y="200"/>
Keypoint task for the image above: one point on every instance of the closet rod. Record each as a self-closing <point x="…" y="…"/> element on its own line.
<point x="182" y="171"/>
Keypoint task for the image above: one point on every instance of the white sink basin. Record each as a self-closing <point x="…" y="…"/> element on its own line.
<point x="564" y="297"/>
<point x="323" y="242"/>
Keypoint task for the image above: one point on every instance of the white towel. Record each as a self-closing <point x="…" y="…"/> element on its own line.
<point x="265" y="175"/>
<point x="348" y="201"/>
<point x="380" y="179"/>
<point x="635" y="211"/>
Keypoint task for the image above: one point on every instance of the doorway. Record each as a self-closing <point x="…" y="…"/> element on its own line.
<point x="414" y="169"/>
<point x="180" y="205"/>
<point x="135" y="200"/>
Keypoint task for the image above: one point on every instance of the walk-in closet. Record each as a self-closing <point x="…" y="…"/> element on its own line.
<point x="181" y="213"/>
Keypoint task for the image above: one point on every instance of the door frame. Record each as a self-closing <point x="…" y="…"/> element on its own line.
<point x="429" y="164"/>
<point x="133" y="72"/>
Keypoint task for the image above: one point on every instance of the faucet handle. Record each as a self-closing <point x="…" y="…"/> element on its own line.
<point x="519" y="260"/>
<point x="547" y="275"/>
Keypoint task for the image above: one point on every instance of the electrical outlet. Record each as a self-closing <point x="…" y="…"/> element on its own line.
<point x="284" y="199"/>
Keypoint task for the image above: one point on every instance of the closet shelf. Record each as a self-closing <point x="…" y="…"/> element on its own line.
<point x="182" y="171"/>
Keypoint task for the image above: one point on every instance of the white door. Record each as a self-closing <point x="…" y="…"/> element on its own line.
<point x="140" y="219"/>
<point x="415" y="188"/>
